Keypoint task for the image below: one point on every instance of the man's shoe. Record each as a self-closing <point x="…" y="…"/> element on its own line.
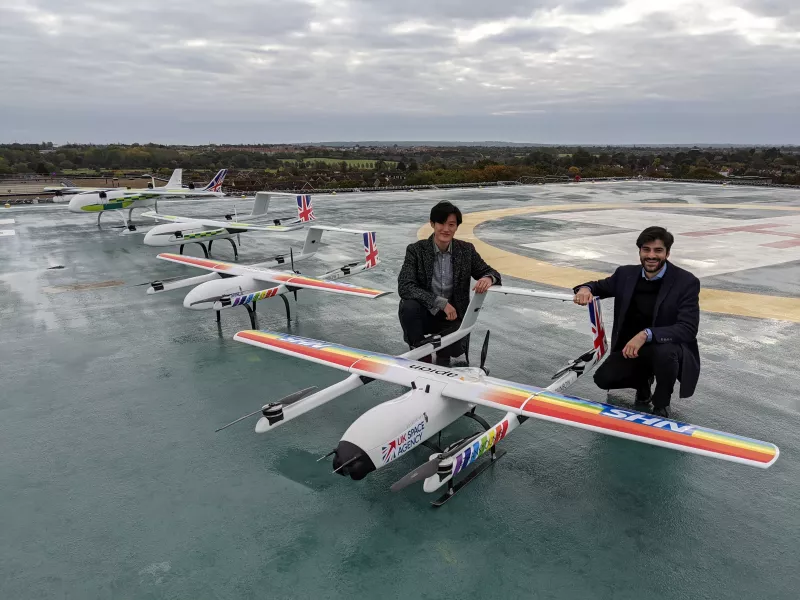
<point x="661" y="411"/>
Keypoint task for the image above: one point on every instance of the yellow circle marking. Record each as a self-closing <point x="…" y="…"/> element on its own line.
<point x="523" y="267"/>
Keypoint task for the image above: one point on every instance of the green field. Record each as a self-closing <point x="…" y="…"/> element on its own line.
<point x="351" y="162"/>
<point x="79" y="172"/>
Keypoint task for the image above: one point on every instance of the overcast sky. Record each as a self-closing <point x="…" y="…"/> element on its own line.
<point x="542" y="71"/>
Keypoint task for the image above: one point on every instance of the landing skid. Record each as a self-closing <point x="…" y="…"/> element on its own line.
<point x="127" y="226"/>
<point x="235" y="249"/>
<point x="495" y="454"/>
<point x="207" y="250"/>
<point x="453" y="489"/>
<point x="201" y="244"/>
<point x="251" y="312"/>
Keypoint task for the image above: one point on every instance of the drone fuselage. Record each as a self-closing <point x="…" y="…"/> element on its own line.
<point x="391" y="429"/>
<point x="112" y="200"/>
<point x="206" y="295"/>
<point x="178" y="234"/>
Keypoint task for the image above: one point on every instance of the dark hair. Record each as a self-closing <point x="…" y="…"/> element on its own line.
<point x="443" y="210"/>
<point x="651" y="234"/>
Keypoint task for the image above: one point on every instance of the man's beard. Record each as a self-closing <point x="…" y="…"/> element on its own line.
<point x="655" y="269"/>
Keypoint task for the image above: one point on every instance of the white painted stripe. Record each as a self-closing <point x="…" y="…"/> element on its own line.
<point x="7" y="232"/>
<point x="6" y="221"/>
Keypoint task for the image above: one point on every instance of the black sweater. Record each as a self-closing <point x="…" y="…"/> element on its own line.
<point x="640" y="312"/>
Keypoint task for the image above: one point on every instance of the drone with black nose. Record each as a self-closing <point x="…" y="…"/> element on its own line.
<point x="438" y="396"/>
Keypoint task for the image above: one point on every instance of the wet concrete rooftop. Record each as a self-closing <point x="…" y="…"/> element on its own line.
<point x="114" y="484"/>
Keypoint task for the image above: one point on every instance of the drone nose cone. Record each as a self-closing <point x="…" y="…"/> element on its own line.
<point x="76" y="204"/>
<point x="197" y="299"/>
<point x="349" y="459"/>
<point x="158" y="236"/>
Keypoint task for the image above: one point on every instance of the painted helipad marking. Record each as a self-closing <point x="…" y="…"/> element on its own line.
<point x="707" y="246"/>
<point x="765" y="229"/>
<point x="523" y="267"/>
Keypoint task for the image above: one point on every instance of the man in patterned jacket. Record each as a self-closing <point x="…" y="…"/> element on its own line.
<point x="434" y="282"/>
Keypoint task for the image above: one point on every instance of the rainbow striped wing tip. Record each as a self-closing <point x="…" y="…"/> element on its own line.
<point x="644" y="427"/>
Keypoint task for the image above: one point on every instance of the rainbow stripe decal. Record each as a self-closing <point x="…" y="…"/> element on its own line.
<point x="242" y="299"/>
<point x="322" y="352"/>
<point x="197" y="262"/>
<point x="605" y="417"/>
<point x="287" y="279"/>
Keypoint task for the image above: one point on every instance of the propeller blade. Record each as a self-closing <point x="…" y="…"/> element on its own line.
<point x="292" y="398"/>
<point x="285" y="401"/>
<point x="420" y="473"/>
<point x="485" y="350"/>
<point x="342" y="466"/>
<point x="331" y="453"/>
<point x="255" y="412"/>
<point x="160" y="280"/>
<point x="291" y="257"/>
<point x="430" y="468"/>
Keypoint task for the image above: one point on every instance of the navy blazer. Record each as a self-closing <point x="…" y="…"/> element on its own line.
<point x="676" y="317"/>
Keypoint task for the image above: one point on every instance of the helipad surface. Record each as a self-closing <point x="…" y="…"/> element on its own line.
<point x="116" y="486"/>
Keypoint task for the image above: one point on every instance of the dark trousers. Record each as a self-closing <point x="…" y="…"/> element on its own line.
<point x="660" y="360"/>
<point x="417" y="322"/>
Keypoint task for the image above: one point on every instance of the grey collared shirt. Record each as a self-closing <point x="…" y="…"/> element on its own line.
<point x="442" y="282"/>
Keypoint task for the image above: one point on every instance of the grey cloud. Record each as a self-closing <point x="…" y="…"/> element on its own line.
<point x="293" y="67"/>
<point x="464" y="12"/>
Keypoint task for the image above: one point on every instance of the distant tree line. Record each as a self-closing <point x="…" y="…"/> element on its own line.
<point x="402" y="165"/>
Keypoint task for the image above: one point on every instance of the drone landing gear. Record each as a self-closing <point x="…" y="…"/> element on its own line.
<point x="126" y="223"/>
<point x="437" y="447"/>
<point x="235" y="249"/>
<point x="201" y="244"/>
<point x="251" y="312"/>
<point x="288" y="311"/>
<point x="495" y="455"/>
<point x="453" y="489"/>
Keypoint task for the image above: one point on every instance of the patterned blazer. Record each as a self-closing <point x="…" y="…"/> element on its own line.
<point x="414" y="281"/>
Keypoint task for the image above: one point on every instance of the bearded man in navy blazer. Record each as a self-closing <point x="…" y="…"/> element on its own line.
<point x="656" y="317"/>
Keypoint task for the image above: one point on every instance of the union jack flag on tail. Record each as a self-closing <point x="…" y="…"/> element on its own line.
<point x="305" y="212"/>
<point x="598" y="329"/>
<point x="371" y="249"/>
<point x="215" y="185"/>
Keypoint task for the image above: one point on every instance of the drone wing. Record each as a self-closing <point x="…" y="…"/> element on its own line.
<point x="291" y="280"/>
<point x="213" y="224"/>
<point x="527" y="401"/>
